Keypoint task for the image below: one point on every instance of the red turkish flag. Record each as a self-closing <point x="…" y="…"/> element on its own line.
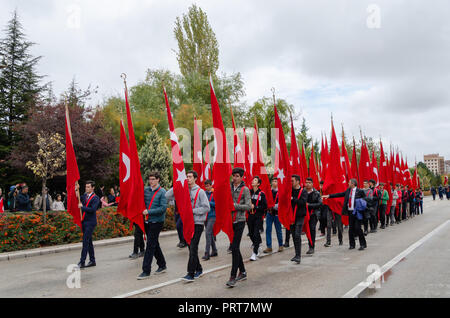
<point x="259" y="169"/>
<point x="408" y="175"/>
<point x="284" y="175"/>
<point x="415" y="182"/>
<point x="345" y="161"/>
<point x="136" y="204"/>
<point x="334" y="177"/>
<point x="354" y="164"/>
<point x="198" y="156"/>
<point x="180" y="185"/>
<point x="403" y="172"/>
<point x="312" y="169"/>
<point x="207" y="164"/>
<point x="375" y="170"/>
<point x="238" y="151"/>
<point x="222" y="172"/>
<point x="398" y="174"/>
<point x="72" y="176"/>
<point x="303" y="165"/>
<point x="324" y="159"/>
<point x="124" y="172"/>
<point x="295" y="155"/>
<point x="445" y="180"/>
<point x="364" y="164"/>
<point x="2" y="208"/>
<point x="247" y="169"/>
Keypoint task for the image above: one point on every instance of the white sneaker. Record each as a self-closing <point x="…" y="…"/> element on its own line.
<point x="253" y="257"/>
<point x="260" y="250"/>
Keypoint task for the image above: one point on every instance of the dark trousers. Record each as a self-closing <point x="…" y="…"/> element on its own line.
<point x="338" y="224"/>
<point x="254" y="225"/>
<point x="434" y="196"/>
<point x="179" y="228"/>
<point x="288" y="235"/>
<point x="194" y="263"/>
<point x="421" y="207"/>
<point x="237" y="261"/>
<point x="354" y="229"/>
<point x="404" y="205"/>
<point x="296" y="229"/>
<point x="323" y="222"/>
<point x="312" y="229"/>
<point x="139" y="245"/>
<point x="366" y="219"/>
<point x="153" y="248"/>
<point x="411" y="209"/>
<point x="383" y="214"/>
<point x="88" y="247"/>
<point x="374" y="217"/>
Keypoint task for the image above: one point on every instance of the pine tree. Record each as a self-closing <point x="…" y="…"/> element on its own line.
<point x="155" y="156"/>
<point x="19" y="82"/>
<point x="19" y="90"/>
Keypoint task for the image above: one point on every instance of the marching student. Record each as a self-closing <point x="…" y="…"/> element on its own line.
<point x="411" y="202"/>
<point x="384" y="198"/>
<point x="255" y="216"/>
<point x="298" y="201"/>
<point x="398" y="209"/>
<point x="371" y="203"/>
<point x="242" y="203"/>
<point x="209" y="224"/>
<point x="334" y="220"/>
<point x="375" y="205"/>
<point x="154" y="217"/>
<point x="404" y="202"/>
<point x="89" y="206"/>
<point x="419" y="201"/>
<point x="272" y="218"/>
<point x="314" y="203"/>
<point x="350" y="197"/>
<point x="391" y="215"/>
<point x="200" y="208"/>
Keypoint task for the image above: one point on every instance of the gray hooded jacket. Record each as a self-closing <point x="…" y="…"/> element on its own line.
<point x="201" y="207"/>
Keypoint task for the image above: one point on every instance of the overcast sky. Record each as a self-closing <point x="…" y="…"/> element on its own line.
<point x="381" y="65"/>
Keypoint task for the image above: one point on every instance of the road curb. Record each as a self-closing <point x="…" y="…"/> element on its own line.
<point x="70" y="247"/>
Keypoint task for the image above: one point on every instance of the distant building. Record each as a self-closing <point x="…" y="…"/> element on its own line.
<point x="435" y="163"/>
<point x="447" y="166"/>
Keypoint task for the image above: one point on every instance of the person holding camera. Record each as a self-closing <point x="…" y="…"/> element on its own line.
<point x="23" y="201"/>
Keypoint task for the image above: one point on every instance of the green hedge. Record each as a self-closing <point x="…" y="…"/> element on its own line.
<point x="20" y="231"/>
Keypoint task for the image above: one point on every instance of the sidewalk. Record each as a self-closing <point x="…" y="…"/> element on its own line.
<point x="8" y="256"/>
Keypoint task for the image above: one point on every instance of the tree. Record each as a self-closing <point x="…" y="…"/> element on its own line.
<point x="94" y="144"/>
<point x="19" y="88"/>
<point x="155" y="156"/>
<point x="50" y="159"/>
<point x="198" y="50"/>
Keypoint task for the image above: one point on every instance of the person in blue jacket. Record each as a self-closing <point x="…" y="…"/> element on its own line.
<point x="89" y="206"/>
<point x="155" y="215"/>
<point x="209" y="223"/>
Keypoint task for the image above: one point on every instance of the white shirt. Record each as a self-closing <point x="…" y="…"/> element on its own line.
<point x="352" y="199"/>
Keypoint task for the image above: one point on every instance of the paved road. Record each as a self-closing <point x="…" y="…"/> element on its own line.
<point x="331" y="272"/>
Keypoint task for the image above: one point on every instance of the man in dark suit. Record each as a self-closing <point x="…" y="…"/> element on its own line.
<point x="89" y="206"/>
<point x="350" y="196"/>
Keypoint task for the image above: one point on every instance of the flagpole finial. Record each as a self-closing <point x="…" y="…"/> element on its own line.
<point x="273" y="95"/>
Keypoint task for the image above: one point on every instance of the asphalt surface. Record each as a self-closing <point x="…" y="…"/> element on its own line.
<point x="330" y="272"/>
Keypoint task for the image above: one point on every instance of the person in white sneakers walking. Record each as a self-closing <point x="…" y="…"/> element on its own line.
<point x="255" y="216"/>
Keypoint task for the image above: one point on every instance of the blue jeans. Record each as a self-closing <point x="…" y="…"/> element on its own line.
<point x="273" y="219"/>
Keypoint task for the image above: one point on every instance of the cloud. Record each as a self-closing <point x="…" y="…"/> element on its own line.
<point x="320" y="56"/>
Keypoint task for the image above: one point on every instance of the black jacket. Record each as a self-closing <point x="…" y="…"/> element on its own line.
<point x="261" y="205"/>
<point x="300" y="203"/>
<point x="359" y="195"/>
<point x="314" y="202"/>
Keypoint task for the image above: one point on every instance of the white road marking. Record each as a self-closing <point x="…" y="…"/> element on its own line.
<point x="355" y="291"/>
<point x="174" y="281"/>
